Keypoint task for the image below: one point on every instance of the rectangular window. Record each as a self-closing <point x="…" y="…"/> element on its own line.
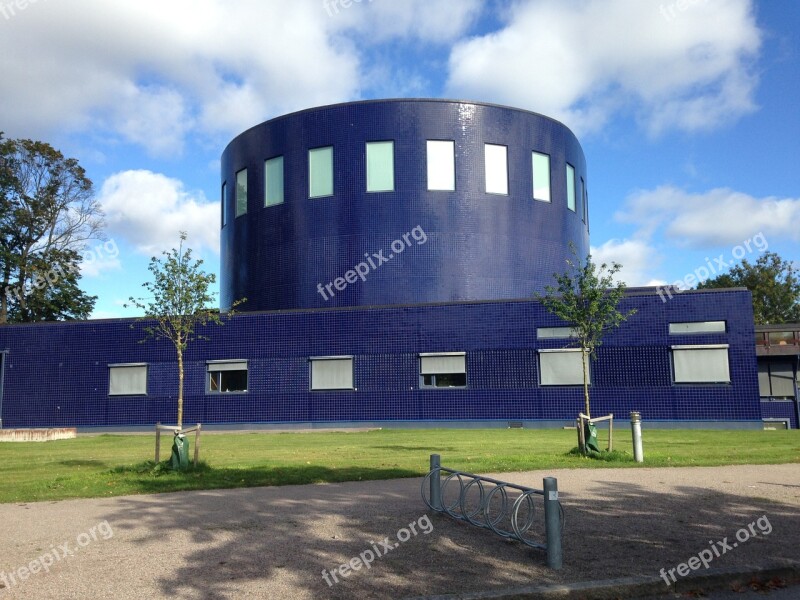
<point x="441" y="165"/>
<point x="227" y="376"/>
<point x="570" y="187"/>
<point x="777" y="380"/>
<point x="563" y="366"/>
<point x="586" y="206"/>
<point x="241" y="192"/>
<point x="223" y="204"/>
<point x="582" y="198"/>
<point x="380" y="166"/>
<point x="496" y="167"/>
<point x="273" y="181"/>
<point x="443" y="370"/>
<point x="697" y="327"/>
<point x="127" y="380"/>
<point x="781" y="338"/>
<point x="701" y="364"/>
<point x="320" y="172"/>
<point x="555" y="333"/>
<point x="541" y="177"/>
<point x="332" y="373"/>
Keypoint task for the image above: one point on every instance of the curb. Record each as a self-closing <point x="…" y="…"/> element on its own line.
<point x="635" y="587"/>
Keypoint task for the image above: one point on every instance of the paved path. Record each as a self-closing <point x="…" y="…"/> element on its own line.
<point x="275" y="542"/>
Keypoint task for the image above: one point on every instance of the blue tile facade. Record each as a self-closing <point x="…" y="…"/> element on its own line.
<point x="56" y="374"/>
<point x="478" y="246"/>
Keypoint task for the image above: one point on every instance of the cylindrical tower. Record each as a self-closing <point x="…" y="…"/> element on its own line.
<point x="399" y="202"/>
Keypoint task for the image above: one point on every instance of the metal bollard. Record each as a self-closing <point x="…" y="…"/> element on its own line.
<point x="436" y="482"/>
<point x="636" y="429"/>
<point x="552" y="520"/>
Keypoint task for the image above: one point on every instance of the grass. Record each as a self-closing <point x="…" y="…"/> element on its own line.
<point x="112" y="465"/>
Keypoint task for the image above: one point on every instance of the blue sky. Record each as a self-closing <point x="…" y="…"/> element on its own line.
<point x="687" y="111"/>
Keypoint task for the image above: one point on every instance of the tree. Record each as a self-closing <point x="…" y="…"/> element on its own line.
<point x="47" y="214"/>
<point x="774" y="284"/>
<point x="586" y="297"/>
<point x="178" y="302"/>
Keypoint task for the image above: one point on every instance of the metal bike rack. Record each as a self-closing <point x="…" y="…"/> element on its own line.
<point x="493" y="509"/>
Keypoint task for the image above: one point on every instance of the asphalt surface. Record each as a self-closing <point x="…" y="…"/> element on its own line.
<point x="276" y="542"/>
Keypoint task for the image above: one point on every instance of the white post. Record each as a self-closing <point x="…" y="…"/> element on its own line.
<point x="636" y="428"/>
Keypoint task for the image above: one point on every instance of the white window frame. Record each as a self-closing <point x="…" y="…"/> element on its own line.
<point x="312" y="360"/>
<point x="495" y="162"/>
<point x="697" y="327"/>
<point x="455" y="364"/>
<point x="577" y="380"/>
<point x="681" y="379"/>
<point x="217" y="366"/>
<point x="440" y="157"/>
<point x="121" y="366"/>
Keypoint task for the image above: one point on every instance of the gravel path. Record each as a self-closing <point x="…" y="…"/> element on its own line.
<point x="275" y="542"/>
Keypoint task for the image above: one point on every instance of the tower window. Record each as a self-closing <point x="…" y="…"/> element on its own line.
<point x="320" y="172"/>
<point x="380" y="166"/>
<point x="541" y="176"/>
<point x="441" y="165"/>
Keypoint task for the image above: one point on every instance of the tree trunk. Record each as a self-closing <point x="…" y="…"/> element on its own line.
<point x="586" y="381"/>
<point x="180" y="389"/>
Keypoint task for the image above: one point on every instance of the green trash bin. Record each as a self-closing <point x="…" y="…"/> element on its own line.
<point x="179" y="460"/>
<point x="590" y="435"/>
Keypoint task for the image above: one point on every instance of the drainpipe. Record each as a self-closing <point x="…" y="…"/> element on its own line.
<point x="796" y="392"/>
<point x="3" y="355"/>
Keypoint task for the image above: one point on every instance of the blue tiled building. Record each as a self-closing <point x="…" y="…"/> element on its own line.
<point x="388" y="251"/>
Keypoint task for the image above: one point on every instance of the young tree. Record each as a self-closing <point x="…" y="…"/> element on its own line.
<point x="586" y="297"/>
<point x="178" y="302"/>
<point x="47" y="214"/>
<point x="774" y="284"/>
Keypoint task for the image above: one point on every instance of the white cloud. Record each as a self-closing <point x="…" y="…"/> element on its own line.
<point x="147" y="73"/>
<point x="148" y="210"/>
<point x="638" y="259"/>
<point x="436" y="21"/>
<point x="717" y="217"/>
<point x="583" y="61"/>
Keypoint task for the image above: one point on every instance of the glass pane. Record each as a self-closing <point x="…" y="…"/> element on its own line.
<point x="233" y="381"/>
<point x="541" y="177"/>
<point x="763" y="380"/>
<point x="451" y="380"/>
<point x="782" y="379"/>
<point x="570" y="187"/>
<point x="561" y="368"/>
<point x="781" y="338"/>
<point x="332" y="374"/>
<point x="241" y="192"/>
<point x="555" y="333"/>
<point x="586" y="205"/>
<point x="223" y="204"/>
<point x="441" y="165"/>
<point x="698" y="327"/>
<point x="581" y="197"/>
<point x="496" y="162"/>
<point x="380" y="166"/>
<point x="273" y="181"/>
<point x="320" y="172"/>
<point x="701" y="365"/>
<point x="127" y="381"/>
<point x="434" y="365"/>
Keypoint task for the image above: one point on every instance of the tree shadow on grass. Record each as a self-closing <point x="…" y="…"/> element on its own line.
<point x="276" y="541"/>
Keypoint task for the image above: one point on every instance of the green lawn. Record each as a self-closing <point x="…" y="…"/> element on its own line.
<point x="112" y="465"/>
